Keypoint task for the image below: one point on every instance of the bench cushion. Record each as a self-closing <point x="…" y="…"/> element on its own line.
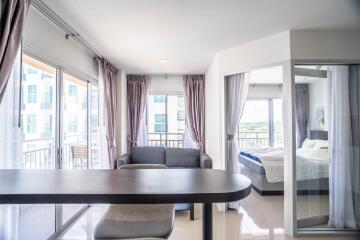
<point x="128" y="221"/>
<point x="148" y="155"/>
<point x="182" y="157"/>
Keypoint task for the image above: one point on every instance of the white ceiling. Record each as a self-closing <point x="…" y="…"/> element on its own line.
<point x="136" y="34"/>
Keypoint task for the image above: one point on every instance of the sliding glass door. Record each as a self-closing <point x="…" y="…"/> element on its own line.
<point x="50" y="122"/>
<point x="38" y="114"/>
<point x="74" y="133"/>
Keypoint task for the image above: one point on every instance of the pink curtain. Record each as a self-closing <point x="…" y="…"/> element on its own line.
<point x="12" y="18"/>
<point x="137" y="87"/>
<point x="194" y="87"/>
<point x="109" y="78"/>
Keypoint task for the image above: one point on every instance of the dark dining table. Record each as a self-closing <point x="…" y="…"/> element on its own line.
<point x="135" y="186"/>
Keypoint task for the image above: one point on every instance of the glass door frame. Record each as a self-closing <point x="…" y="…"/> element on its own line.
<point x="60" y="227"/>
<point x="299" y="232"/>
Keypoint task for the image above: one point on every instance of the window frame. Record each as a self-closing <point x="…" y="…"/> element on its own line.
<point x="166" y="95"/>
<point x="270" y="121"/>
<point x="60" y="69"/>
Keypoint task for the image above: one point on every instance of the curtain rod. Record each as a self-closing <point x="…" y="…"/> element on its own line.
<point x="69" y="31"/>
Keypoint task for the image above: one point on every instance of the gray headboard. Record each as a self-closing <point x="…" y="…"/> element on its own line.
<point x="318" y="134"/>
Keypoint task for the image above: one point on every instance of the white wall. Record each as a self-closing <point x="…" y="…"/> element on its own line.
<point x="45" y="39"/>
<point x="213" y="114"/>
<point x="265" y="52"/>
<point x="325" y="45"/>
<point x="257" y="54"/>
<point x="265" y="91"/>
<point x="270" y="51"/>
<point x="169" y="84"/>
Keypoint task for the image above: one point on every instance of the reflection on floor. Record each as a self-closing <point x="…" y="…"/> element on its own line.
<point x="258" y="218"/>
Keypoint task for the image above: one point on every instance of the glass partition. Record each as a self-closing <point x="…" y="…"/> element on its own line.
<point x="327" y="101"/>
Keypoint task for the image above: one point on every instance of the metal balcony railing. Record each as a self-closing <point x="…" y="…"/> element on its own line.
<point x="166" y="139"/>
<point x="44" y="158"/>
<point x="258" y="139"/>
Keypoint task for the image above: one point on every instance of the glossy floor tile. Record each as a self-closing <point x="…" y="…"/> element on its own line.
<point x="258" y="218"/>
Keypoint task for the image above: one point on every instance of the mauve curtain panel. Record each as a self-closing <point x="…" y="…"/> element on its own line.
<point x="137" y="88"/>
<point x="109" y="78"/>
<point x="302" y="112"/>
<point x="12" y="19"/>
<point x="237" y="87"/>
<point x="194" y="88"/>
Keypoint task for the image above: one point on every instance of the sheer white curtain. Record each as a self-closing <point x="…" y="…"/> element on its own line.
<point x="188" y="141"/>
<point x="237" y="86"/>
<point x="10" y="146"/>
<point x="104" y="152"/>
<point x="143" y="131"/>
<point x="340" y="142"/>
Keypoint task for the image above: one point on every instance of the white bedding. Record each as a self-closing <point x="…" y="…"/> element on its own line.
<point x="312" y="163"/>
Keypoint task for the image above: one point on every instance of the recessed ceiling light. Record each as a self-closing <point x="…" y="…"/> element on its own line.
<point x="164" y="60"/>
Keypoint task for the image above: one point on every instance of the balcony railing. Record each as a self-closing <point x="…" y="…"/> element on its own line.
<point x="44" y="158"/>
<point x="166" y="139"/>
<point x="257" y="139"/>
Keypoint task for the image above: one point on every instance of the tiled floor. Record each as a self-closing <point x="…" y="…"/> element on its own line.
<point x="259" y="218"/>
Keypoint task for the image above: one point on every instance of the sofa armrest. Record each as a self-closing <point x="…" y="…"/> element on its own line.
<point x="205" y="161"/>
<point x="123" y="160"/>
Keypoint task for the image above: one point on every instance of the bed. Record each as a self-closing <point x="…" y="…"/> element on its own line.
<point x="265" y="167"/>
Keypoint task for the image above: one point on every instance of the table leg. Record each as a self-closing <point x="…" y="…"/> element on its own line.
<point x="207" y="221"/>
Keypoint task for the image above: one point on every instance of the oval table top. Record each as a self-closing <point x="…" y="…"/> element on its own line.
<point x="135" y="186"/>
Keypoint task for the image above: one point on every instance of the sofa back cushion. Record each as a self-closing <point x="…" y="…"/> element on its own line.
<point x="148" y="155"/>
<point x="182" y="157"/>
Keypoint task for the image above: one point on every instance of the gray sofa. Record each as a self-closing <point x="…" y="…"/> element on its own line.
<point x="172" y="158"/>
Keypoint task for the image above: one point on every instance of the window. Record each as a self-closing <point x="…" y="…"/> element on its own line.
<point x="45" y="76"/>
<point x="159" y="99"/>
<point x="48" y="99"/>
<point x="165" y="120"/>
<point x="47" y="132"/>
<point x="72" y="124"/>
<point x="160" y="122"/>
<point x="31" y="95"/>
<point x="278" y="122"/>
<point x="31" y="123"/>
<point x="31" y="70"/>
<point x="72" y="90"/>
<point x="261" y="124"/>
<point x="181" y="115"/>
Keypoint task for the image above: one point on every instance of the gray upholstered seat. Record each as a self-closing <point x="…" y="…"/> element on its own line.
<point x="137" y="221"/>
<point x="128" y="221"/>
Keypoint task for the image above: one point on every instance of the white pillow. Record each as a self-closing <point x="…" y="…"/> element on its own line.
<point x="321" y="144"/>
<point x="308" y="143"/>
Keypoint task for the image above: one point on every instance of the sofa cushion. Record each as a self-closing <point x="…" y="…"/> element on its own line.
<point x="148" y="155"/>
<point x="182" y="157"/>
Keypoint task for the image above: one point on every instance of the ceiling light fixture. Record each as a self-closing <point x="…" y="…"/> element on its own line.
<point x="164" y="60"/>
